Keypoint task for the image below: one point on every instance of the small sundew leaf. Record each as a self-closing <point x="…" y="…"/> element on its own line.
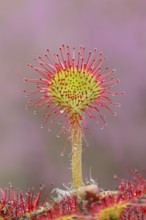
<point x="112" y="213"/>
<point x="66" y="217"/>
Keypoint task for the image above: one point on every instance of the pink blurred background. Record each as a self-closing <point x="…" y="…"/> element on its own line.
<point x="30" y="155"/>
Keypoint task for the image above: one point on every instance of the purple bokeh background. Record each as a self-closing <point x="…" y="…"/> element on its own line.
<point x="30" y="155"/>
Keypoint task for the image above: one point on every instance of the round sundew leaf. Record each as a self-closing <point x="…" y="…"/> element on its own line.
<point x="74" y="85"/>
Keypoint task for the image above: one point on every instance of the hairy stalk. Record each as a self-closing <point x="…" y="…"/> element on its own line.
<point x="77" y="158"/>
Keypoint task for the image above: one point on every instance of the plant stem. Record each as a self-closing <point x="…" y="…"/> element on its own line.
<point x="77" y="158"/>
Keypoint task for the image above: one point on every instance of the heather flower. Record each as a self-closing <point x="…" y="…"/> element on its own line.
<point x="73" y="85"/>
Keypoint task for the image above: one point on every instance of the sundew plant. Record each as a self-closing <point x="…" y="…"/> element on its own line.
<point x="73" y="86"/>
<point x="70" y="88"/>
